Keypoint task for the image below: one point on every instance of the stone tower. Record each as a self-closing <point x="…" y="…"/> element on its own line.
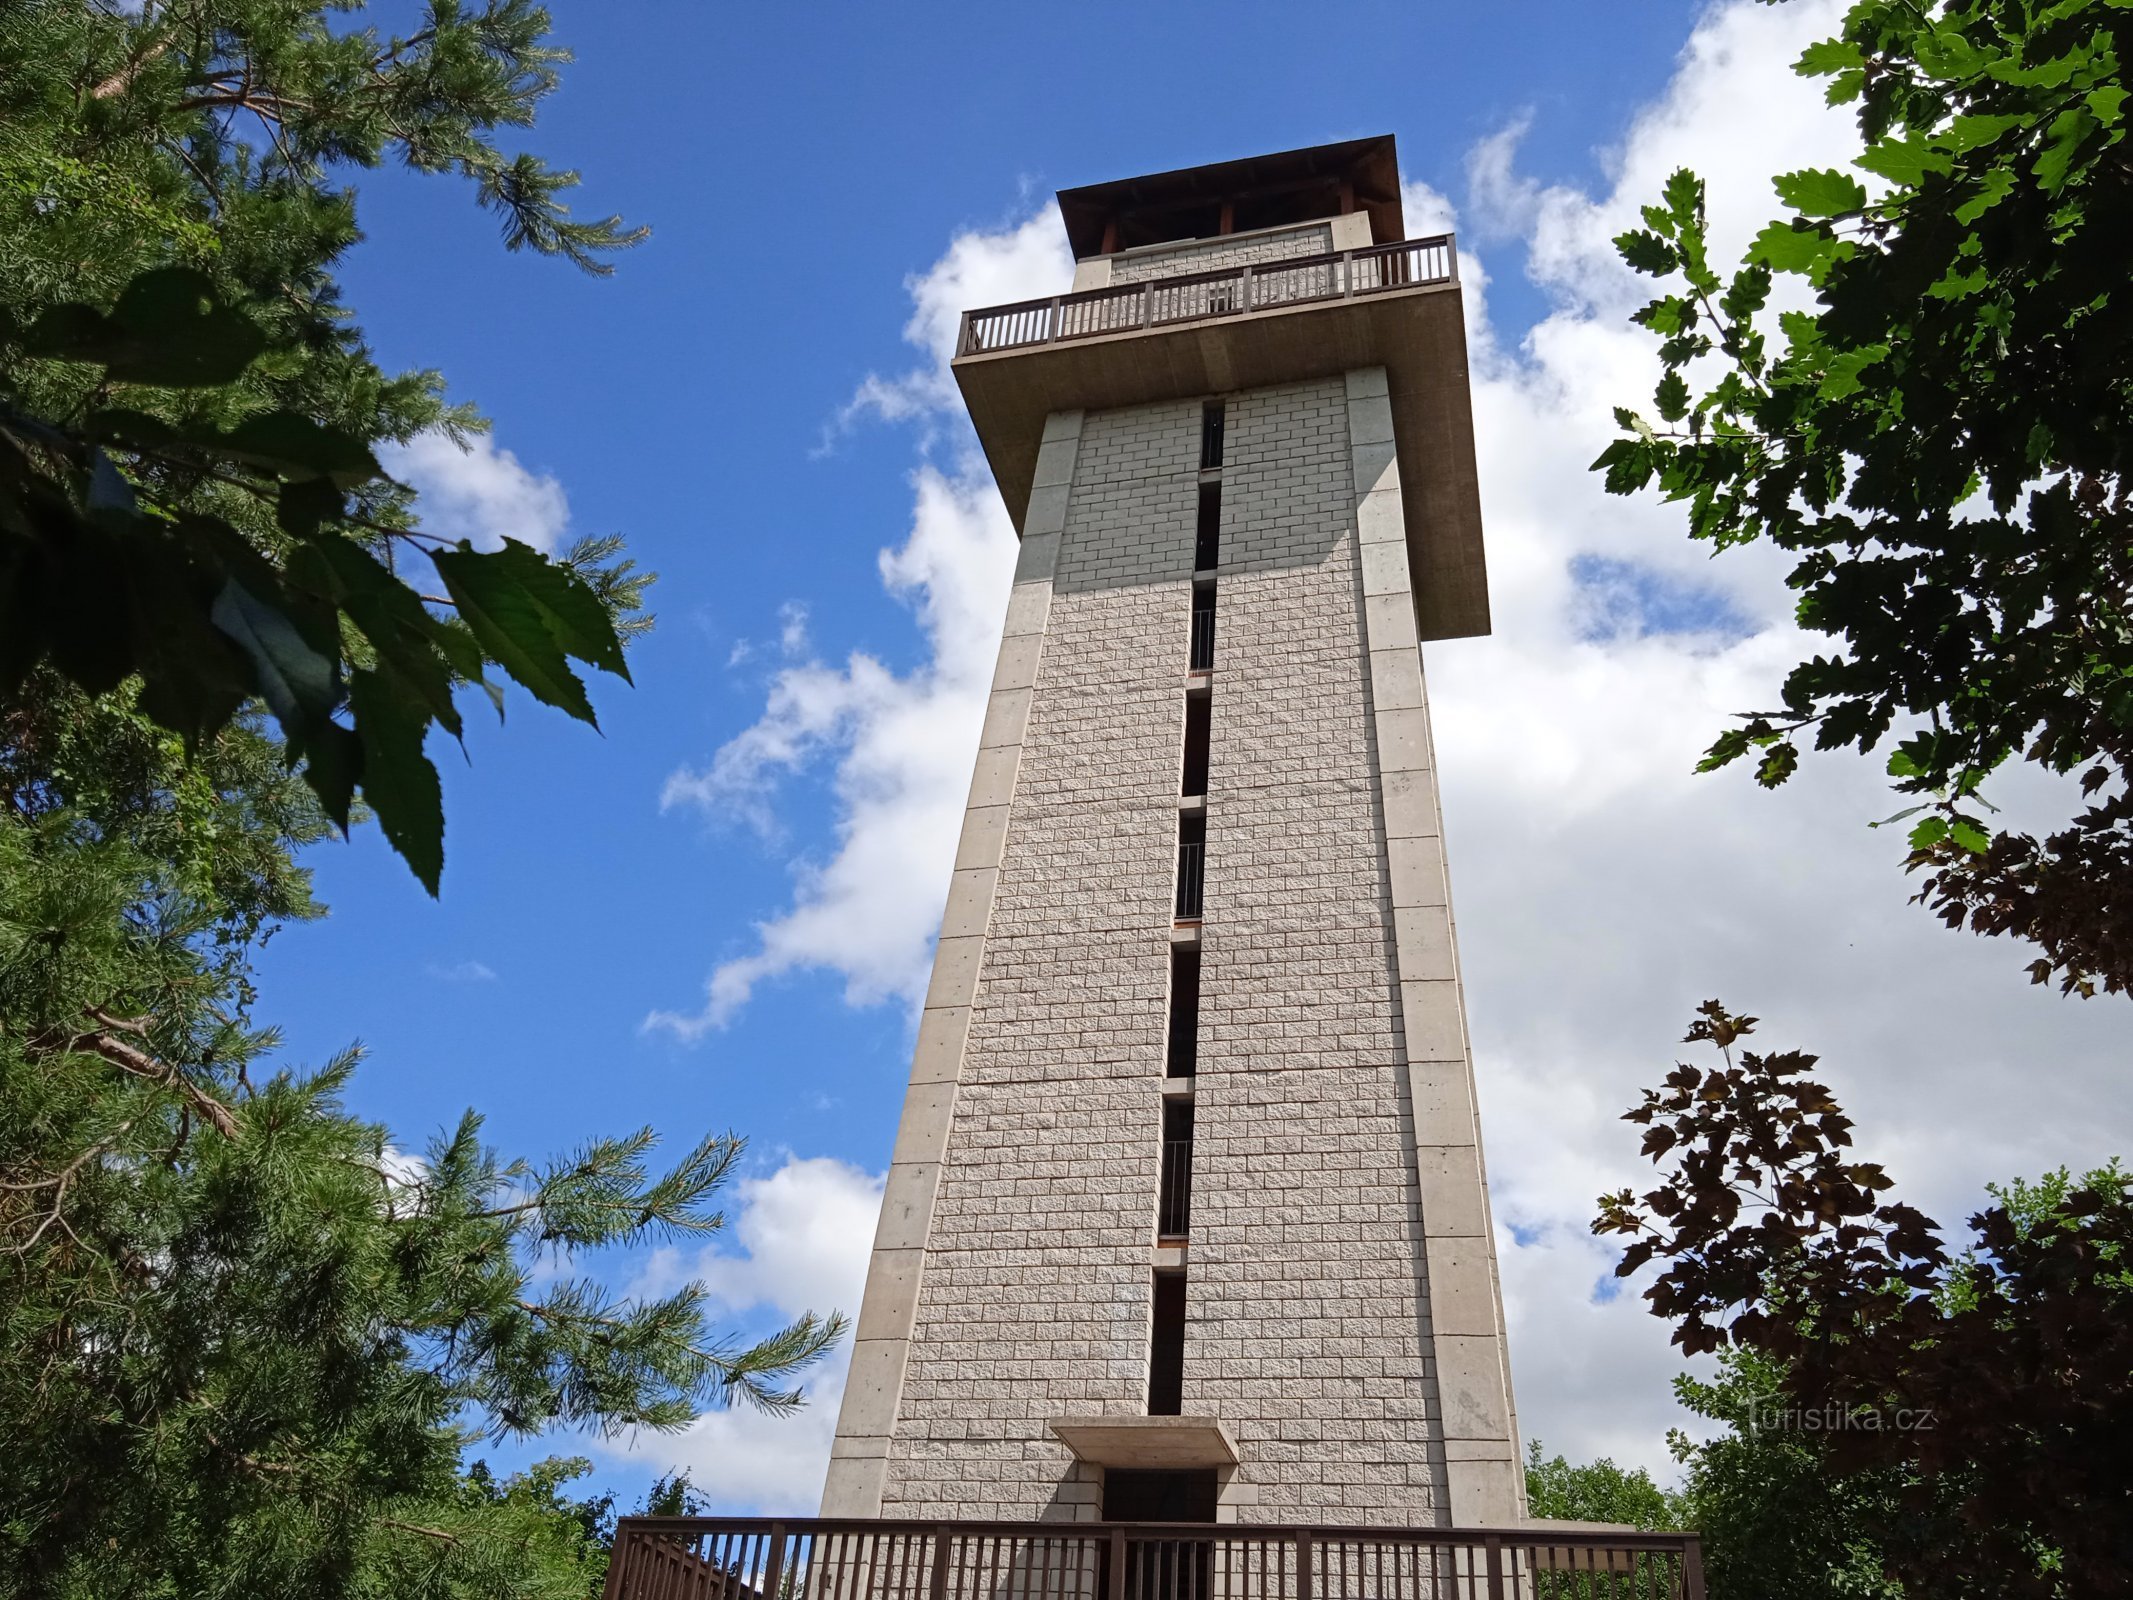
<point x="1186" y="1217"/>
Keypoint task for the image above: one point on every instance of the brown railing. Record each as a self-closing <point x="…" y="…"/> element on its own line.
<point x="1198" y="296"/>
<point x="698" y="1558"/>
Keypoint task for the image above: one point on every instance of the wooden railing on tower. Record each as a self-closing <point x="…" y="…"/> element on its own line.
<point x="704" y="1558"/>
<point x="1198" y="296"/>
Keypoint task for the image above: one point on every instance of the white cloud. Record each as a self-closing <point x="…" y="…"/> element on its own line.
<point x="479" y="493"/>
<point x="902" y="744"/>
<point x="805" y="1232"/>
<point x="462" y="972"/>
<point x="1603" y="888"/>
<point x="981" y="268"/>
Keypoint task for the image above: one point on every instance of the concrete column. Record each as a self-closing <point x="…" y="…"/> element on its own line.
<point x="881" y="1338"/>
<point x="1470" y="1358"/>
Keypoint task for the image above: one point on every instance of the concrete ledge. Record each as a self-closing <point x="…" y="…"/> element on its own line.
<point x="1412" y="338"/>
<point x="1166" y="1442"/>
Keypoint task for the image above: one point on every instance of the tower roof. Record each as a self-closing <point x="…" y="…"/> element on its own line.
<point x="1324" y="180"/>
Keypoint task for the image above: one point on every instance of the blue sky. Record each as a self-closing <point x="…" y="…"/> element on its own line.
<point x="798" y="166"/>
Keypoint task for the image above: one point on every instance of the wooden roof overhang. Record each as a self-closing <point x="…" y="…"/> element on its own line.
<point x="1323" y="180"/>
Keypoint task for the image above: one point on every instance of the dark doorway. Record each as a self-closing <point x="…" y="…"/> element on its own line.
<point x="1143" y="1496"/>
<point x="1199" y="712"/>
<point x="1166" y="1347"/>
<point x="1163" y="1568"/>
<point x="1184" y="1056"/>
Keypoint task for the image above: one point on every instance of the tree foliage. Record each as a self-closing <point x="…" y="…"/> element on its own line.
<point x="1598" y="1491"/>
<point x="244" y="1336"/>
<point x="1776" y="1522"/>
<point x="190" y="494"/>
<point x="1985" y="1393"/>
<point x="1941" y="442"/>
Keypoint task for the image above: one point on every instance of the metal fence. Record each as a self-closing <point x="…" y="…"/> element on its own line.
<point x="1201" y="296"/>
<point x="1173" y="1208"/>
<point x="689" y="1558"/>
<point x="1203" y="633"/>
<point x="1192" y="868"/>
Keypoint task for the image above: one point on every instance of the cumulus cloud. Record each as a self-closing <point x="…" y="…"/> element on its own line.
<point x="1019" y="261"/>
<point x="480" y="493"/>
<point x="1603" y="888"/>
<point x="804" y="1233"/>
<point x="901" y="744"/>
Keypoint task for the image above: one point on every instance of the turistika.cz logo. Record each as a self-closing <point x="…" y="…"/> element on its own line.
<point x="1780" y="1415"/>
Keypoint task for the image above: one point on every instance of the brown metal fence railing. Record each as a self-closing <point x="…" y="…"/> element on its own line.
<point x="1199" y="296"/>
<point x="700" y="1558"/>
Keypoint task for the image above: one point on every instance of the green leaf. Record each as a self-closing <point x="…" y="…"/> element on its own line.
<point x="1673" y="397"/>
<point x="2067" y="134"/>
<point x="1684" y="198"/>
<point x="1929" y="832"/>
<point x="1646" y="252"/>
<point x="1959" y="285"/>
<point x="1844" y="370"/>
<point x="1784" y="247"/>
<point x="1904" y="161"/>
<point x="391" y="719"/>
<point x="411" y="643"/>
<point x="333" y="761"/>
<point x="1628" y="463"/>
<point x="2107" y="103"/>
<point x="1668" y="315"/>
<point x="301" y="686"/>
<point x="1996" y="185"/>
<point x="1821" y="192"/>
<point x="129" y="429"/>
<point x="1747" y="294"/>
<point x="1968" y="133"/>
<point x="293" y="446"/>
<point x="1727" y="748"/>
<point x="1825" y="56"/>
<point x="528" y="613"/>
<point x="167" y="329"/>
<point x="1969" y="835"/>
<point x="1778" y="764"/>
<point x="304" y="505"/>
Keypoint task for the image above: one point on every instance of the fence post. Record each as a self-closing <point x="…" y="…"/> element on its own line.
<point x="1148" y="304"/>
<point x="774" y="1563"/>
<point x="1051" y="324"/>
<point x="1303" y="1564"/>
<point x="1115" y="1582"/>
<point x="1692" y="1569"/>
<point x="1494" y="1545"/>
<point x="618" y="1564"/>
<point x="938" y="1586"/>
<point x="1244" y="289"/>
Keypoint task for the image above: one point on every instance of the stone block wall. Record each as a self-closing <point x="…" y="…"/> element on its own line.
<point x="1215" y="255"/>
<point x="1306" y="1316"/>
<point x="1012" y="1278"/>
